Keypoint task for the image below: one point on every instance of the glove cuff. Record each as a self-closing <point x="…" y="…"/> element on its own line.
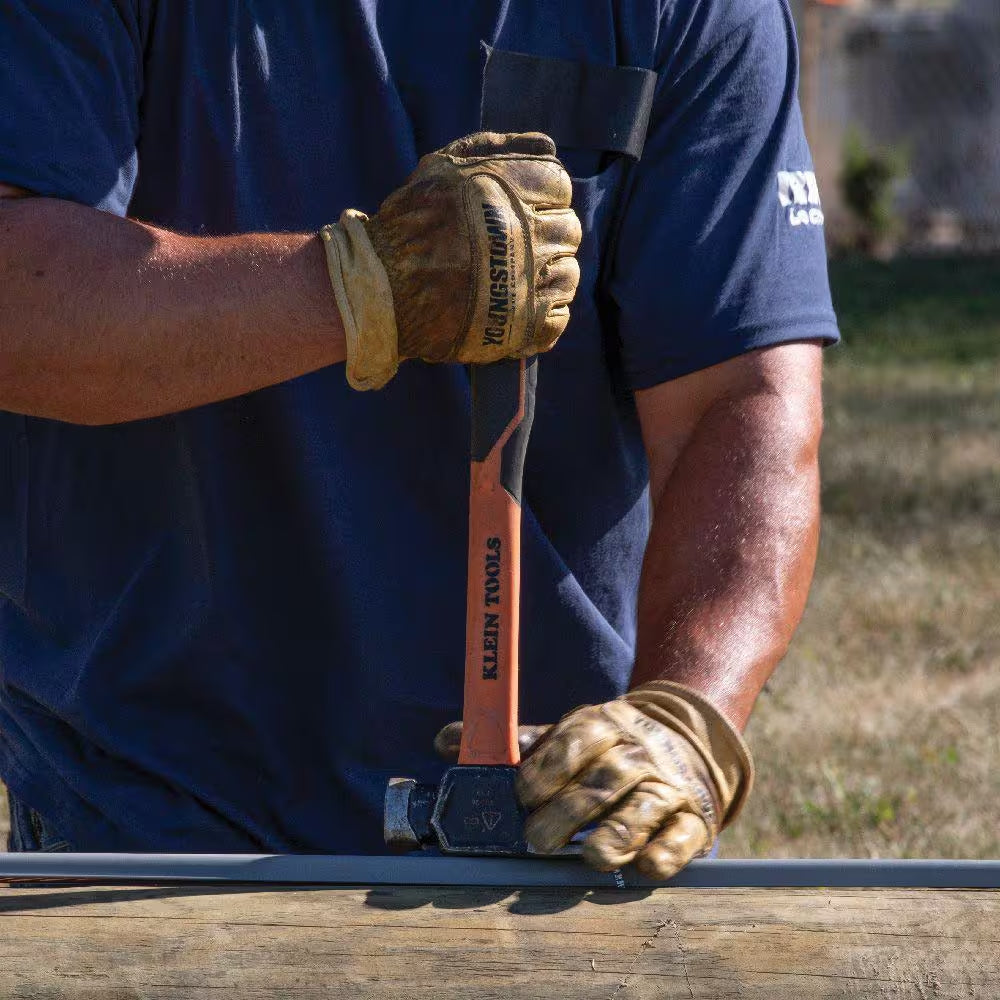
<point x="717" y="741"/>
<point x="364" y="298"/>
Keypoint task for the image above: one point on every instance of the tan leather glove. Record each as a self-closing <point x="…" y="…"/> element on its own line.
<point x="660" y="771"/>
<point x="472" y="260"/>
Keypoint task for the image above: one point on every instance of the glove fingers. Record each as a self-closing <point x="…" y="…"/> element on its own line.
<point x="620" y="836"/>
<point x="449" y="740"/>
<point x="557" y="235"/>
<point x="549" y="330"/>
<point x="501" y="143"/>
<point x="683" y="837"/>
<point x="557" y="280"/>
<point x="543" y="185"/>
<point x="557" y="231"/>
<point x="571" y="745"/>
<point x="528" y="737"/>
<point x="557" y="283"/>
<point x="598" y="788"/>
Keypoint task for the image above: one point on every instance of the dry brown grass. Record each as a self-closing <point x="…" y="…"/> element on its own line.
<point x="880" y="733"/>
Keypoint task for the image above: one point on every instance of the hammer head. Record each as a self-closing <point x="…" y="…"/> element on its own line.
<point x="473" y="810"/>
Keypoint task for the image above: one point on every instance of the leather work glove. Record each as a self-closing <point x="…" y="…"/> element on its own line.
<point x="471" y="260"/>
<point x="659" y="771"/>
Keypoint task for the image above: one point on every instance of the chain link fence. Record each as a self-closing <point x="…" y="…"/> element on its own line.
<point x="916" y="82"/>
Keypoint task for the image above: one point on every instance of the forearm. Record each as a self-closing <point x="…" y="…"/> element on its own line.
<point x="732" y="549"/>
<point x="106" y="320"/>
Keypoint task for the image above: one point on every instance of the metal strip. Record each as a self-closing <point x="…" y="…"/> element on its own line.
<point x="305" y="869"/>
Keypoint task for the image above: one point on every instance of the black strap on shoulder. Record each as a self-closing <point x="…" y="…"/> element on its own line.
<point x="580" y="105"/>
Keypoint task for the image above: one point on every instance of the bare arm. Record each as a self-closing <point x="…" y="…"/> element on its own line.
<point x="735" y="486"/>
<point x="104" y="320"/>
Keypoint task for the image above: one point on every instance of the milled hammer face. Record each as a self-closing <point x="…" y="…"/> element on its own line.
<point x="477" y="812"/>
<point x="474" y="810"/>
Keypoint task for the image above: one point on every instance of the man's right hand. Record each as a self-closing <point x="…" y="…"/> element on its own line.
<point x="657" y="772"/>
<point x="472" y="260"/>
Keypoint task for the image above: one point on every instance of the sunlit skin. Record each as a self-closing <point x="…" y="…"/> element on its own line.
<point x="107" y="320"/>
<point x="734" y="478"/>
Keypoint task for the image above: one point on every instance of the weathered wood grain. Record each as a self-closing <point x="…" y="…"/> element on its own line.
<point x="394" y="943"/>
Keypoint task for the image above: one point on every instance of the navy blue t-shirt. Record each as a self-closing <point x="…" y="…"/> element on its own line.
<point x="225" y="629"/>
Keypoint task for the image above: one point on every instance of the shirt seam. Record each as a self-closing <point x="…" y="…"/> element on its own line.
<point x="741" y="340"/>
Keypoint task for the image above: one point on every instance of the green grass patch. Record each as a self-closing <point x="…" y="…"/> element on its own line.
<point x="940" y="310"/>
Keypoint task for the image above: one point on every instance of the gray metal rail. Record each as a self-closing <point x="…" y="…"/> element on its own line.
<point x="304" y="869"/>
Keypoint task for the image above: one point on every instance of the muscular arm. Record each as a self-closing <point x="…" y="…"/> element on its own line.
<point x="735" y="487"/>
<point x="104" y="320"/>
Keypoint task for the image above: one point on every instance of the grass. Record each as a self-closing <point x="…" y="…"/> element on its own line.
<point x="938" y="311"/>
<point x="880" y="733"/>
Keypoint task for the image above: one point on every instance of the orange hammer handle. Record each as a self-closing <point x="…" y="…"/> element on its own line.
<point x="503" y="405"/>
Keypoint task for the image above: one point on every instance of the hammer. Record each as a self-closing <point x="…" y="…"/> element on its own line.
<point x="473" y="809"/>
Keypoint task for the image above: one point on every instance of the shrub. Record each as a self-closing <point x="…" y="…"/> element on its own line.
<point x="867" y="182"/>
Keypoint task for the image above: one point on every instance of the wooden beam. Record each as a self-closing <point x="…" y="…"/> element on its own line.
<point x="387" y="942"/>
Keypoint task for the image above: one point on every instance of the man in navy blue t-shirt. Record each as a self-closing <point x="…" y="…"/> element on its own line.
<point x="232" y="586"/>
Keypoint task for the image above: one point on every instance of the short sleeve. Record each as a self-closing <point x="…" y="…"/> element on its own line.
<point x="720" y="248"/>
<point x="70" y="83"/>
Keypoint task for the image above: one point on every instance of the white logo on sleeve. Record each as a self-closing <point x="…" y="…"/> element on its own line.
<point x="798" y="193"/>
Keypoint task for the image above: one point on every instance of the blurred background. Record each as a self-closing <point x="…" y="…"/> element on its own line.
<point x="880" y="733"/>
